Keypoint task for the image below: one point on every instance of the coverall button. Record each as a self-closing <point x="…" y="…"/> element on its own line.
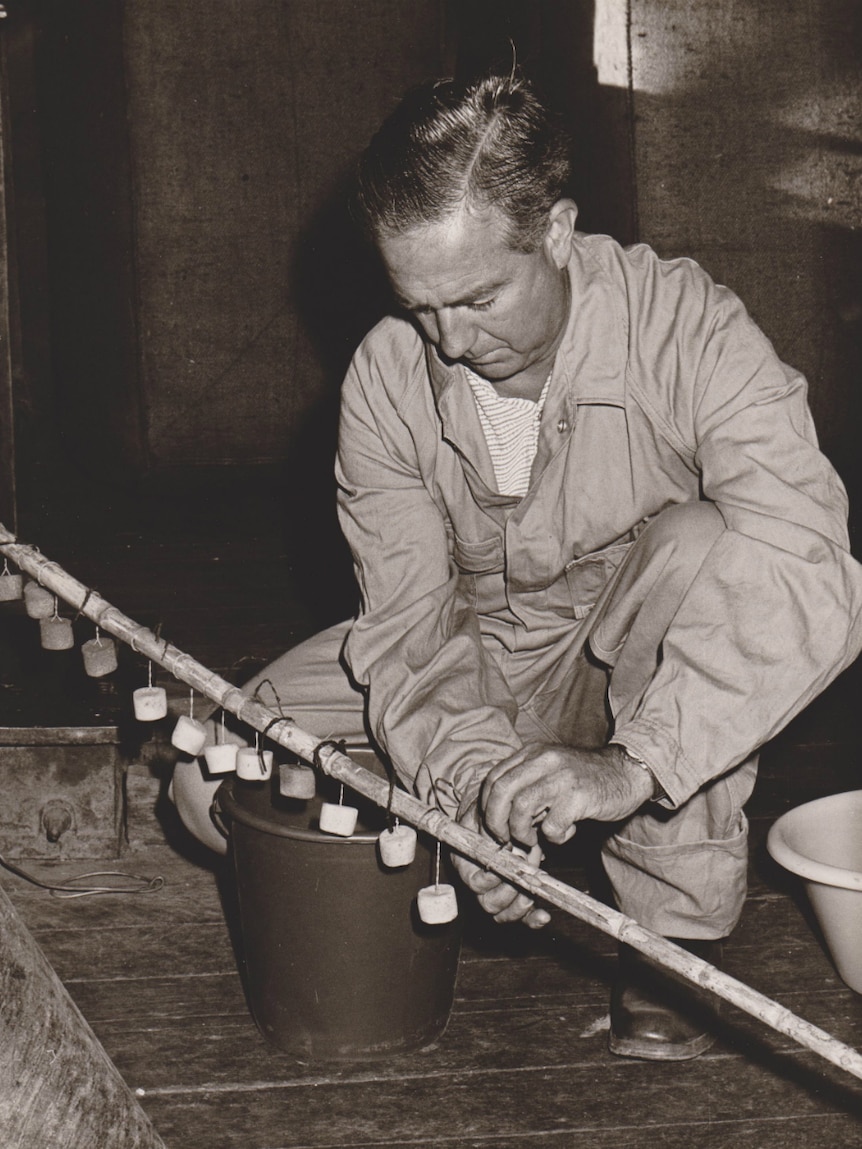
<point x="563" y="426"/>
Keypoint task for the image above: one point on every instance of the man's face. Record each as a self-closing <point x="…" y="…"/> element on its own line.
<point x="499" y="311"/>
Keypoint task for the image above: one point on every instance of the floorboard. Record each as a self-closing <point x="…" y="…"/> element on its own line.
<point x="523" y="1063"/>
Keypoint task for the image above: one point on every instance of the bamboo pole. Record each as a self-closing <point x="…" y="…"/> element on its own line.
<point x="484" y="851"/>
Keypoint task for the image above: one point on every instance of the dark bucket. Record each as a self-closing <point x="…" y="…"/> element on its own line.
<point x="338" y="964"/>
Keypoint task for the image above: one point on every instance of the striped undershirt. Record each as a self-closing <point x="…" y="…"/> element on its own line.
<point x="511" y="428"/>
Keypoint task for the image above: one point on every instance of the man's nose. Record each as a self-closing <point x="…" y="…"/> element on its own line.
<point x="455" y="333"/>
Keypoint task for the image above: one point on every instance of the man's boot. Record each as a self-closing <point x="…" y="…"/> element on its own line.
<point x="656" y="1016"/>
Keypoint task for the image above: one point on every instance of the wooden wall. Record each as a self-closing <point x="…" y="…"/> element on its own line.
<point x="748" y="154"/>
<point x="190" y="154"/>
<point x="206" y="288"/>
<point x="244" y="118"/>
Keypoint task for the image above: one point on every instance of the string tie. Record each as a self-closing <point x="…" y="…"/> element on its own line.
<point x="272" y="722"/>
<point x="268" y="682"/>
<point x="84" y="602"/>
<point x="340" y="746"/>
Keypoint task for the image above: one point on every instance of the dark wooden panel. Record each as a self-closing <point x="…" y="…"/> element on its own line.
<point x="89" y="218"/>
<point x="57" y="1085"/>
<point x="8" y="471"/>
<point x="243" y="121"/>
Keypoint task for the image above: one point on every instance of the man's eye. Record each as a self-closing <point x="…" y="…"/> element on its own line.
<point x="482" y="304"/>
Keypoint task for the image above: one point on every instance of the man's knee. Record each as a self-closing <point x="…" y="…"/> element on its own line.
<point x="686" y="531"/>
<point x="695" y="525"/>
<point x="656" y="573"/>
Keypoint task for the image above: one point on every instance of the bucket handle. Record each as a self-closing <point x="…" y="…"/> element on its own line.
<point x="217" y="816"/>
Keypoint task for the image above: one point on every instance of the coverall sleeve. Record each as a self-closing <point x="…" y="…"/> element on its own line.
<point x="774" y="612"/>
<point x="436" y="701"/>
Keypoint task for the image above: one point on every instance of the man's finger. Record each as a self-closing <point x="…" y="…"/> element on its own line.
<point x="482" y="881"/>
<point x="475" y="877"/>
<point x="542" y="804"/>
<point x="504" y="765"/>
<point x="529" y="810"/>
<point x="502" y="903"/>
<point x="517" y="909"/>
<point x="499" y="795"/>
<point x="558" y="831"/>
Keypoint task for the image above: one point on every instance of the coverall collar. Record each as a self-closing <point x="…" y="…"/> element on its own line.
<point x="589" y="368"/>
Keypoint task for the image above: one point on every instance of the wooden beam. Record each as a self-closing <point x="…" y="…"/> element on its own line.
<point x="57" y="1084"/>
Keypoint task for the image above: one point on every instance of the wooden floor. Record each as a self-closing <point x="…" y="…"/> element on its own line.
<point x="523" y="1062"/>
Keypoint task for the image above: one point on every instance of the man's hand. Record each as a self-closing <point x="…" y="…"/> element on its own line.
<point x="556" y="787"/>
<point x="505" y="903"/>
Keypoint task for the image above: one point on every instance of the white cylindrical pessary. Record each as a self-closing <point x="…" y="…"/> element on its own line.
<point x="38" y="601"/>
<point x="397" y="846"/>
<point x="437" y="904"/>
<point x="221" y="759"/>
<point x="296" y="781"/>
<point x="150" y="703"/>
<point x="56" y="633"/>
<point x="189" y="735"/>
<point x="338" y="819"/>
<point x="100" y="656"/>
<point x="248" y="764"/>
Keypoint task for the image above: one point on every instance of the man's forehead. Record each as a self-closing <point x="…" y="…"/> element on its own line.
<point x="456" y="260"/>
<point x="413" y="292"/>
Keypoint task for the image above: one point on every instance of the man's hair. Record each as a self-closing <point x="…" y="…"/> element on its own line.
<point x="487" y="143"/>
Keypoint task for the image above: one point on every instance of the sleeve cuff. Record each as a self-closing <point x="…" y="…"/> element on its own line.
<point x="658" y="794"/>
<point x="664" y="759"/>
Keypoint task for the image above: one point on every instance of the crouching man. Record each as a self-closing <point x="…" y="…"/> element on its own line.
<point x="600" y="555"/>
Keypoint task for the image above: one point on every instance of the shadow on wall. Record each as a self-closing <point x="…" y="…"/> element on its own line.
<point x="342" y="293"/>
<point x="749" y="159"/>
<point x="553" y="42"/>
<point x="341" y="288"/>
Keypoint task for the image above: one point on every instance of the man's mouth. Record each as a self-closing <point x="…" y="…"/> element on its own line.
<point x="482" y="360"/>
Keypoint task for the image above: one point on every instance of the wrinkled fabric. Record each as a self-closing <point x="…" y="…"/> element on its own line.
<point x="663" y="392"/>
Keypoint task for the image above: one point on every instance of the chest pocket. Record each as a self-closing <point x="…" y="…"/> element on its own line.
<point x="485" y="557"/>
<point x="481" y="582"/>
<point x="587" y="577"/>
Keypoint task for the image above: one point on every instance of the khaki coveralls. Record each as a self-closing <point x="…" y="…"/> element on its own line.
<point x="677" y="577"/>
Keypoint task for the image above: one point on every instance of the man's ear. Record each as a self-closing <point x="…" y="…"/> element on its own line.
<point x="561" y="231"/>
